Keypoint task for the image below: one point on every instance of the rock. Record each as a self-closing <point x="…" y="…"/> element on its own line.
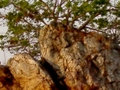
<point x="71" y="60"/>
<point x="28" y="73"/>
<point x="87" y="60"/>
<point x="7" y="81"/>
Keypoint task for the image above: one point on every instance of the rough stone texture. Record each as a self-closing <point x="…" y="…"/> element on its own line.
<point x="88" y="60"/>
<point x="7" y="81"/>
<point x="28" y="73"/>
<point x="72" y="58"/>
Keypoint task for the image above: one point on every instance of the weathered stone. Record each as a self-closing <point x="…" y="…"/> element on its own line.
<point x="7" y="81"/>
<point x="28" y="73"/>
<point x="88" y="60"/>
<point x="71" y="60"/>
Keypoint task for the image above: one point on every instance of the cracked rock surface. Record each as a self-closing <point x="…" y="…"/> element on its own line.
<point x="71" y="58"/>
<point x="88" y="60"/>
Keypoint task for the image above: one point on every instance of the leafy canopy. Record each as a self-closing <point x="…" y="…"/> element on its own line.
<point x="26" y="17"/>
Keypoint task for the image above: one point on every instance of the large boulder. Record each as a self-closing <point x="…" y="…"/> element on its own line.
<point x="28" y="73"/>
<point x="89" y="61"/>
<point x="71" y="60"/>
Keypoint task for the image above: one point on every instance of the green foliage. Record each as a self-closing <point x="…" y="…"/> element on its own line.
<point x="29" y="16"/>
<point x="69" y="4"/>
<point x="1" y="36"/>
<point x="4" y="3"/>
<point x="102" y="22"/>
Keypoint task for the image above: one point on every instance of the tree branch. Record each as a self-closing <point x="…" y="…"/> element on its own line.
<point x="62" y="2"/>
<point x="86" y="23"/>
<point x="46" y="6"/>
<point x="56" y="1"/>
<point x="75" y="18"/>
<point x="95" y="29"/>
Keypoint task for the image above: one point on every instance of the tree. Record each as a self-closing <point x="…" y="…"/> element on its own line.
<point x="27" y="17"/>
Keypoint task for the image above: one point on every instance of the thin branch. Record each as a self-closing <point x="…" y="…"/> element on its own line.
<point x="75" y="18"/>
<point x="92" y="17"/>
<point x="68" y="16"/>
<point x="30" y="13"/>
<point x="56" y="1"/>
<point x="2" y="16"/>
<point x="95" y="29"/>
<point x="8" y="46"/>
<point x="46" y="6"/>
<point x="62" y="2"/>
<point x="84" y="25"/>
<point x="27" y="22"/>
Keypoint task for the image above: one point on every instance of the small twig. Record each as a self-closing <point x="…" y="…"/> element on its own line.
<point x="62" y="2"/>
<point x="53" y="13"/>
<point x="75" y="18"/>
<point x="46" y="6"/>
<point x="95" y="29"/>
<point x="86" y="23"/>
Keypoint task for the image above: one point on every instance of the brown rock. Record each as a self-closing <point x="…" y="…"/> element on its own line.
<point x="7" y="82"/>
<point x="71" y="59"/>
<point x="28" y="74"/>
<point x="86" y="59"/>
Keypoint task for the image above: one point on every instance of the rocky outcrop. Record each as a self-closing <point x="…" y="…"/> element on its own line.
<point x="71" y="60"/>
<point x="28" y="73"/>
<point x="89" y="61"/>
<point x="23" y="73"/>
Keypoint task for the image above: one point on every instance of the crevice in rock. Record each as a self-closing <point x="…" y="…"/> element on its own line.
<point x="6" y="76"/>
<point x="54" y="73"/>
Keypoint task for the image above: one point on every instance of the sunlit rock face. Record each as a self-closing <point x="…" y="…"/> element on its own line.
<point x="23" y="73"/>
<point x="88" y="60"/>
<point x="70" y="58"/>
<point x="28" y="73"/>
